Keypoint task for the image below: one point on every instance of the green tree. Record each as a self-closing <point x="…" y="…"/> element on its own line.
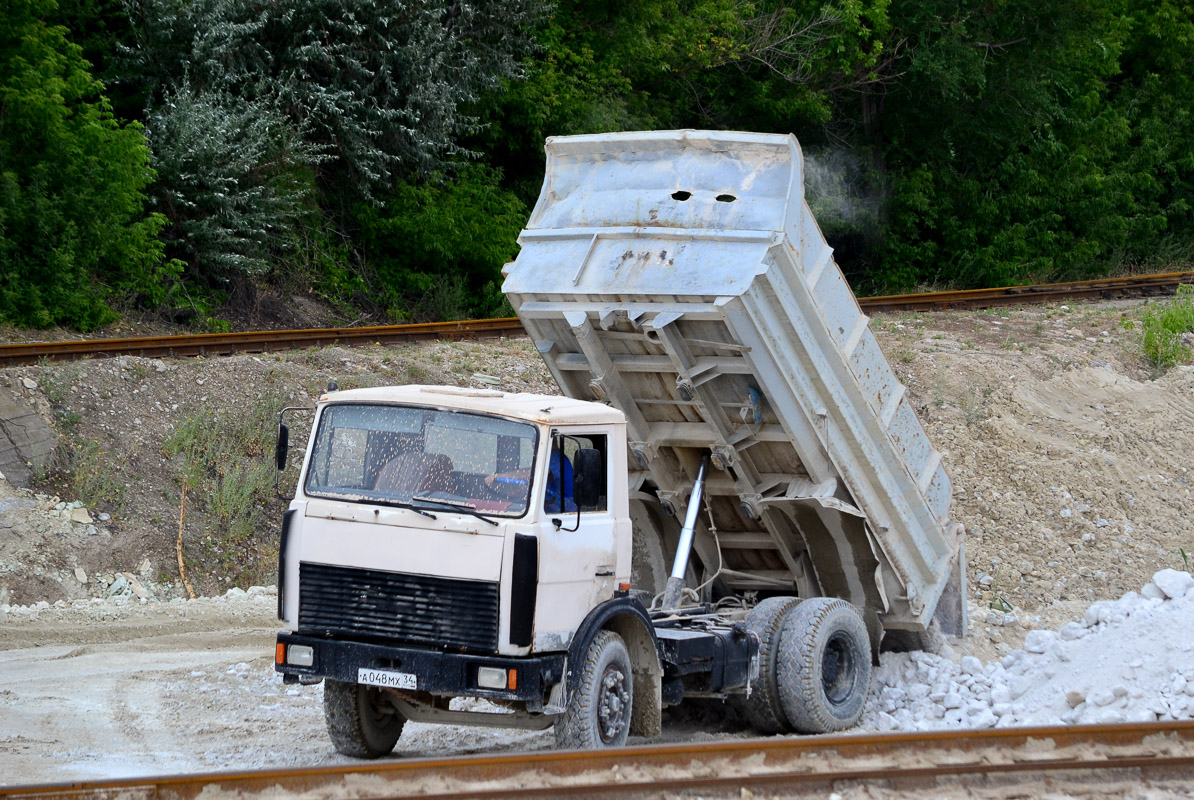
<point x="73" y="232"/>
<point x="235" y="181"/>
<point x="1008" y="158"/>
<point x="437" y="248"/>
<point x="382" y="86"/>
<point x="732" y="64"/>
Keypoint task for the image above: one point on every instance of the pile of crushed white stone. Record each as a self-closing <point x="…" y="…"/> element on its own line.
<point x="1127" y="660"/>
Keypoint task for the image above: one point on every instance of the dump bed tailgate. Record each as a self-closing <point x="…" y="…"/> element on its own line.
<point x="680" y="276"/>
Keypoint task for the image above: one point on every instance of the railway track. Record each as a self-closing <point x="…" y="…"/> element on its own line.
<point x="216" y="344"/>
<point x="1007" y="762"/>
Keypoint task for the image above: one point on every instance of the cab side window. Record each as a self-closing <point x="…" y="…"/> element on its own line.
<point x="585" y="465"/>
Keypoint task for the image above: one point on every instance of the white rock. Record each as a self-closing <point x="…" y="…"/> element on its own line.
<point x="1072" y="631"/>
<point x="1108" y="716"/>
<point x="886" y="722"/>
<point x="985" y="719"/>
<point x="80" y="515"/>
<point x="1152" y="592"/>
<point x="1173" y="583"/>
<point x="1039" y="641"/>
<point x="1140" y="714"/>
<point x="80" y="575"/>
<point x="971" y="665"/>
<point x="1091" y="616"/>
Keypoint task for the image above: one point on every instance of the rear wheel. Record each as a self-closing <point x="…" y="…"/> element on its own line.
<point x="823" y="666"/>
<point x="361" y="723"/>
<point x="762" y="707"/>
<point x="598" y="713"/>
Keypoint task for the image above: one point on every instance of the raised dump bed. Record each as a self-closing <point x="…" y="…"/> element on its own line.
<point x="680" y="276"/>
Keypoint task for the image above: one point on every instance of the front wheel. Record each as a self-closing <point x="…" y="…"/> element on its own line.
<point x="823" y="667"/>
<point x="360" y="721"/>
<point x="598" y="712"/>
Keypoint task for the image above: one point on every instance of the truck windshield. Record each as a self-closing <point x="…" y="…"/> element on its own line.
<point x="399" y="454"/>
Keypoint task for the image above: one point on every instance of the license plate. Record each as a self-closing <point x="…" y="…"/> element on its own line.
<point x="386" y="678"/>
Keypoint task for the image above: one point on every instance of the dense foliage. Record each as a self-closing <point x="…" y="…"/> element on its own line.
<point x="72" y="180"/>
<point x="386" y="152"/>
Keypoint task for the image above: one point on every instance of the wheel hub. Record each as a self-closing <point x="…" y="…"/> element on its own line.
<point x="837" y="669"/>
<point x="613" y="703"/>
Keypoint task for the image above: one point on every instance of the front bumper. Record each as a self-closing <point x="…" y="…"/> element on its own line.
<point x="452" y="674"/>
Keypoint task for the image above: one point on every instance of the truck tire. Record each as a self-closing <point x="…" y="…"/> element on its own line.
<point x="599" y="710"/>
<point x="762" y="707"/>
<point x="360" y="723"/>
<point x="824" y="665"/>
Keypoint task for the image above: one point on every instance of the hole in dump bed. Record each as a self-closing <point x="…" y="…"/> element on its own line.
<point x="681" y="195"/>
<point x="726" y="198"/>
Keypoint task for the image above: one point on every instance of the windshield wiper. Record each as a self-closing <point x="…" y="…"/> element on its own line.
<point x="467" y="508"/>
<point x="373" y="498"/>
<point x="407" y="506"/>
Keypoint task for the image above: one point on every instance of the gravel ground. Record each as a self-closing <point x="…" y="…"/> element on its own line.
<point x="1070" y="462"/>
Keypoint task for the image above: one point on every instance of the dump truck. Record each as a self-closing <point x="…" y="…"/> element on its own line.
<point x="731" y="500"/>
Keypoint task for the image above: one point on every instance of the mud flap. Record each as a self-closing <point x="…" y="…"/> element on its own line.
<point x="950" y="614"/>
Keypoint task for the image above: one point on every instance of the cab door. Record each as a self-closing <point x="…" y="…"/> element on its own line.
<point x="576" y="537"/>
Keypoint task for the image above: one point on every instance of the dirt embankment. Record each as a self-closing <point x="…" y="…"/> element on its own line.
<point x="1070" y="462"/>
<point x="1070" y="465"/>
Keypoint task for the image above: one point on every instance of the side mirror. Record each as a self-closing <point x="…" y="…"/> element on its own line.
<point x="588" y="478"/>
<point x="282" y="447"/>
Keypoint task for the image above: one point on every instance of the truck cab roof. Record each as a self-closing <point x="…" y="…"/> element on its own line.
<point x="538" y="408"/>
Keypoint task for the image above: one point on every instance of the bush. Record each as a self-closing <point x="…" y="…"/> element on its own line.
<point x="438" y="247"/>
<point x="73" y="231"/>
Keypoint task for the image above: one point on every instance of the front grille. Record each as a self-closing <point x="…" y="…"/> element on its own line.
<point x="400" y="609"/>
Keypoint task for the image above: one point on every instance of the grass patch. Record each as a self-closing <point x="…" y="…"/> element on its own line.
<point x="223" y="457"/>
<point x="56" y="380"/>
<point x="1163" y="328"/>
<point x="94" y="474"/>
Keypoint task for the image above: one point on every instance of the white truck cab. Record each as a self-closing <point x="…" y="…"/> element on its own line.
<point x="447" y="487"/>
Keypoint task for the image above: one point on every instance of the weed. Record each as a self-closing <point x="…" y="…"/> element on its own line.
<point x="906" y="355"/>
<point x="1164" y="330"/>
<point x="1001" y="604"/>
<point x="1185" y="558"/>
<point x="93" y="473"/>
<point x="972" y="413"/>
<point x="57" y="379"/>
<point x="413" y="373"/>
<point x="139" y="368"/>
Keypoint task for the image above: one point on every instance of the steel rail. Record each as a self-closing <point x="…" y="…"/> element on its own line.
<point x="1157" y="752"/>
<point x="217" y="344"/>
<point x="1103" y="288"/>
